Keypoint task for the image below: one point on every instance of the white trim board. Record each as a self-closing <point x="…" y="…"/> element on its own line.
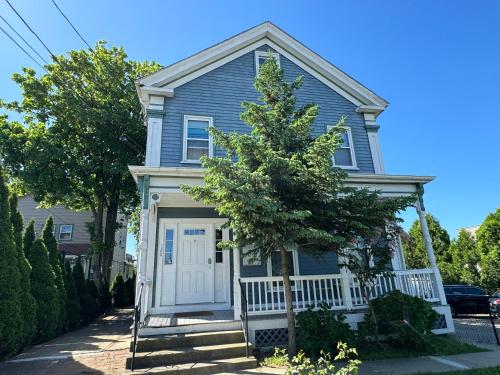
<point x="265" y="33"/>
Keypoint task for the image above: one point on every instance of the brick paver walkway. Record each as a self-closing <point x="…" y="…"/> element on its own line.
<point x="100" y="348"/>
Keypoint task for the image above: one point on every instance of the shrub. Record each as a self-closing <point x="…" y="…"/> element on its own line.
<point x="104" y="298"/>
<point x="11" y="328"/>
<point x="55" y="262"/>
<point x="130" y="290"/>
<point x="28" y="304"/>
<point x="405" y="319"/>
<point x="43" y="288"/>
<point x="95" y="309"/>
<point x="72" y="303"/>
<point x="118" y="294"/>
<point x="302" y="365"/>
<point x="83" y="293"/>
<point x="322" y="330"/>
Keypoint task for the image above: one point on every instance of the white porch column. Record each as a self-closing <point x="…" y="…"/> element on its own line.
<point x="142" y="260"/>
<point x="236" y="283"/>
<point x="428" y="244"/>
<point x="346" y="279"/>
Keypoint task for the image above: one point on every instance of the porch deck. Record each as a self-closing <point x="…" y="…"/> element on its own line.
<point x="189" y="318"/>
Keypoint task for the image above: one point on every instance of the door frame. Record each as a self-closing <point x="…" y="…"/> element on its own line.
<point x="171" y="305"/>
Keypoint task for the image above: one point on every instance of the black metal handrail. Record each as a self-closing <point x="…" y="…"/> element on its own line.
<point x="137" y="318"/>
<point x="244" y="315"/>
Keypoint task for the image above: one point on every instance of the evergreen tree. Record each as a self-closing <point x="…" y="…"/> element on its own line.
<point x="488" y="244"/>
<point x="118" y="293"/>
<point x="43" y="288"/>
<point x="105" y="301"/>
<point x="28" y="304"/>
<point x="94" y="296"/>
<point x="83" y="294"/>
<point x="72" y="302"/>
<point x="278" y="187"/>
<point x="11" y="328"/>
<point x="130" y="289"/>
<point x="414" y="246"/>
<point x="55" y="262"/>
<point x="29" y="238"/>
<point x="466" y="258"/>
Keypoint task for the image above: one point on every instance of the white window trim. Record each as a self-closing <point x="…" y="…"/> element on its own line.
<point x="70" y="234"/>
<point x="210" y="121"/>
<point x="354" y="165"/>
<point x="259" y="54"/>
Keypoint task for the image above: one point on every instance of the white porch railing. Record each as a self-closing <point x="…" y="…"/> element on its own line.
<point x="265" y="295"/>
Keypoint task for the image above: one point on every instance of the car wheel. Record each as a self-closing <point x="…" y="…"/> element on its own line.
<point x="453" y="312"/>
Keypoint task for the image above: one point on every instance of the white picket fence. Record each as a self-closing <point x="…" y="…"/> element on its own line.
<point x="265" y="295"/>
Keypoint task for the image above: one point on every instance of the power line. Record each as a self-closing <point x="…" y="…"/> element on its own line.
<point x="74" y="28"/>
<point x="24" y="40"/>
<point x="21" y="47"/>
<point x="30" y="29"/>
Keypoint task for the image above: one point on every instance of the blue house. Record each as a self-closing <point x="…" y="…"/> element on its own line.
<point x="185" y="283"/>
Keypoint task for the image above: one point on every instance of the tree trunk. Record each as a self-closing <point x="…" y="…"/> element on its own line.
<point x="97" y="237"/>
<point x="109" y="237"/>
<point x="292" y="337"/>
<point x="373" y="316"/>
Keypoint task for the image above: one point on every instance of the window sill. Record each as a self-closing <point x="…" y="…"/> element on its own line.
<point x="191" y="162"/>
<point x="347" y="168"/>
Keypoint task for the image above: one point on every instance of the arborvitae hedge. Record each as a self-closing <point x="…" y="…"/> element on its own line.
<point x="83" y="293"/>
<point x="130" y="290"/>
<point x="29" y="238"/>
<point x="43" y="288"/>
<point x="72" y="303"/>
<point x="28" y="303"/>
<point x="118" y="293"/>
<point x="55" y="262"/>
<point x="11" y="337"/>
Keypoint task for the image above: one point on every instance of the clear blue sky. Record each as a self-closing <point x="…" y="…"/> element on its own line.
<point x="436" y="62"/>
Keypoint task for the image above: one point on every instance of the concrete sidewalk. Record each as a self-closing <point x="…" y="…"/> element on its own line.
<point x="99" y="348"/>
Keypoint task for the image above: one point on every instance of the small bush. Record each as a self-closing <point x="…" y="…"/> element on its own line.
<point x="322" y="330"/>
<point x="130" y="290"/>
<point x="104" y="298"/>
<point x="118" y="294"/>
<point x="279" y="359"/>
<point x="404" y="319"/>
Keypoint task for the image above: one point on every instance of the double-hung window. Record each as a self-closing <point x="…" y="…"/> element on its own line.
<point x="344" y="156"/>
<point x="65" y="232"/>
<point x="197" y="140"/>
<point x="262" y="56"/>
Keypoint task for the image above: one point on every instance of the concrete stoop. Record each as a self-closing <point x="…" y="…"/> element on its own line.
<point x="197" y="353"/>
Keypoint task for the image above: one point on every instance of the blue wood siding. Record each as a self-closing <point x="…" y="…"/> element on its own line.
<point x="219" y="94"/>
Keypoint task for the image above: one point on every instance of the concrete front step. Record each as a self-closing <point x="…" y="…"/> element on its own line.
<point x="190" y="328"/>
<point x="185" y="340"/>
<point x="200" y="368"/>
<point x="208" y="354"/>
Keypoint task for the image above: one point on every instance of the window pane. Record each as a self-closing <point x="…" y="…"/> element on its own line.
<point x="194" y="232"/>
<point x="196" y="153"/>
<point x="276" y="263"/>
<point x="197" y="144"/>
<point x="169" y="246"/>
<point x="218" y="250"/>
<point x="345" y="139"/>
<point x="197" y="129"/>
<point x="343" y="157"/>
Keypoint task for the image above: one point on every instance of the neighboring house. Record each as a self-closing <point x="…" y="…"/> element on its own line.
<point x="179" y="265"/>
<point x="472" y="230"/>
<point x="70" y="231"/>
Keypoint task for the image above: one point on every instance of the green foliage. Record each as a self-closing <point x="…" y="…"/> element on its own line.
<point x="11" y="327"/>
<point x="29" y="238"/>
<point x="72" y="301"/>
<point x="322" y="330"/>
<point x="405" y="319"/>
<point x="95" y="309"/>
<point x="118" y="293"/>
<point x="283" y="190"/>
<point x="43" y="288"/>
<point x="279" y="359"/>
<point x="28" y="303"/>
<point x="84" y="299"/>
<point x="302" y="365"/>
<point x="105" y="301"/>
<point x="55" y="262"/>
<point x="130" y="289"/>
<point x="414" y="246"/>
<point x="466" y="259"/>
<point x="488" y="244"/>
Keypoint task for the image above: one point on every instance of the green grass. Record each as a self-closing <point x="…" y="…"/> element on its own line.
<point x="278" y="360"/>
<point x="480" y="371"/>
<point x="441" y="345"/>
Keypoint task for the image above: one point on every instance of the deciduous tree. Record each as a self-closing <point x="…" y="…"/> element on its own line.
<point x="488" y="244"/>
<point x="283" y="192"/>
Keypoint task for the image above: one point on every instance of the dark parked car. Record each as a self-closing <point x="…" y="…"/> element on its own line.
<point x="495" y="304"/>
<point x="467" y="299"/>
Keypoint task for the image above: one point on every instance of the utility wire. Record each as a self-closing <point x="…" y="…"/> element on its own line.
<point x="30" y="29"/>
<point x="24" y="40"/>
<point x="21" y="47"/>
<point x="74" y="28"/>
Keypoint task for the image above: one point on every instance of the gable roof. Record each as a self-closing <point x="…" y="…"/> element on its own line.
<point x="164" y="81"/>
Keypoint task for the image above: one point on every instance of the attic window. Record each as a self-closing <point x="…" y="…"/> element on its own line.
<point x="344" y="157"/>
<point x="262" y="56"/>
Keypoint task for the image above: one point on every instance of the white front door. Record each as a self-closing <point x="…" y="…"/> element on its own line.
<point x="195" y="264"/>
